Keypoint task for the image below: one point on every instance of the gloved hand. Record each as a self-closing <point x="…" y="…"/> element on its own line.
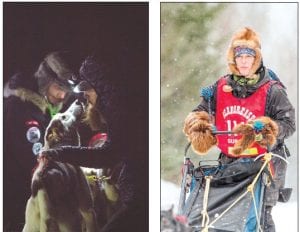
<point x="248" y="137"/>
<point x="262" y="130"/>
<point x="199" y="131"/>
<point x="268" y="130"/>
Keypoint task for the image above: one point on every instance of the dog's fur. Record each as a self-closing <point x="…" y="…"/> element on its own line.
<point x="198" y="130"/>
<point x="171" y="223"/>
<point x="61" y="198"/>
<point x="269" y="134"/>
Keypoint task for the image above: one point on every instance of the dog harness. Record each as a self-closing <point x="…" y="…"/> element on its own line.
<point x="232" y="110"/>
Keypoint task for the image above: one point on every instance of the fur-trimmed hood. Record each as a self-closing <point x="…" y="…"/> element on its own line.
<point x="244" y="38"/>
<point x="26" y="95"/>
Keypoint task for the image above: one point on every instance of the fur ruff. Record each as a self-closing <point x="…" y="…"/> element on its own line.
<point x="269" y="134"/>
<point x="244" y="38"/>
<point x="27" y="95"/>
<point x="198" y="130"/>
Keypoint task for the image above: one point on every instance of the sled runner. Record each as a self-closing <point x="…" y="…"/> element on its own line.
<point x="225" y="197"/>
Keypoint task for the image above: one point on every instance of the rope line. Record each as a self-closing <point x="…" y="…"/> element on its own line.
<point x="205" y="217"/>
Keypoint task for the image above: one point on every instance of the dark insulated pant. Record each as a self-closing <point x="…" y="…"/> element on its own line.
<point x="272" y="191"/>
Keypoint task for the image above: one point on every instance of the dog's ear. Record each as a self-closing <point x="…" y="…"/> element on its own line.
<point x="52" y="137"/>
<point x="54" y="133"/>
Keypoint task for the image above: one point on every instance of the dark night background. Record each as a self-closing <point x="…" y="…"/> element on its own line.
<point x="32" y="30"/>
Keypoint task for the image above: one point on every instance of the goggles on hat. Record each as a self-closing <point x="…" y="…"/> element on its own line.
<point x="244" y="50"/>
<point x="66" y="85"/>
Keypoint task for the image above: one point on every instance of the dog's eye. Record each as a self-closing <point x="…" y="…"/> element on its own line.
<point x="64" y="117"/>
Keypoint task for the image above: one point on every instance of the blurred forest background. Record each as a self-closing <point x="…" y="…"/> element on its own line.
<point x="194" y="41"/>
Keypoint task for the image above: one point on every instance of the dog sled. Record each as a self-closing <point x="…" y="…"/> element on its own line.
<point x="218" y="197"/>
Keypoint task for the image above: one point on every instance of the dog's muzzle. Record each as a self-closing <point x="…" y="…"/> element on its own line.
<point x="76" y="109"/>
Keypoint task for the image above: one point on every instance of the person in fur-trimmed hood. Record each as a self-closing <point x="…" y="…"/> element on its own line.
<point x="30" y="100"/>
<point x="247" y="94"/>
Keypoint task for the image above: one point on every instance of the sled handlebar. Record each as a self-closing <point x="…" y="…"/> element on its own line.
<point x="222" y="132"/>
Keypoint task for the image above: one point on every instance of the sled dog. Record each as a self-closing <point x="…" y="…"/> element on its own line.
<point x="61" y="199"/>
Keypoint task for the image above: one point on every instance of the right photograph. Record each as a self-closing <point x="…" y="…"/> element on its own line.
<point x="229" y="98"/>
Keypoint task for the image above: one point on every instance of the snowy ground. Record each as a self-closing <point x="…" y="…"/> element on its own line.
<point x="284" y="214"/>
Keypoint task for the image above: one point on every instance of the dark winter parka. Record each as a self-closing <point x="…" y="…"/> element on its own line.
<point x="278" y="106"/>
<point x="25" y="119"/>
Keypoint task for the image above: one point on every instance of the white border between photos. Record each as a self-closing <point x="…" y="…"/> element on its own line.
<point x="154" y="116"/>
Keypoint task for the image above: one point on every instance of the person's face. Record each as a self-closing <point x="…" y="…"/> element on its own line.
<point x="56" y="94"/>
<point x="93" y="117"/>
<point x="91" y="96"/>
<point x="244" y="63"/>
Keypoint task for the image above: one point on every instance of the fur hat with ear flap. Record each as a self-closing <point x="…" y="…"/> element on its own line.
<point x="59" y="67"/>
<point x="244" y="41"/>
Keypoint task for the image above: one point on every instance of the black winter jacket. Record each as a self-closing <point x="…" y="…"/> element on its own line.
<point x="24" y="113"/>
<point x="278" y="106"/>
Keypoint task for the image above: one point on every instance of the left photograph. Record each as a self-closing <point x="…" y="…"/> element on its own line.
<point x="75" y="116"/>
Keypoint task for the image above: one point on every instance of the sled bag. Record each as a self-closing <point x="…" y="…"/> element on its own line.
<point x="227" y="185"/>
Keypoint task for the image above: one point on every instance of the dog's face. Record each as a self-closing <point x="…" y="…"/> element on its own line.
<point x="62" y="129"/>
